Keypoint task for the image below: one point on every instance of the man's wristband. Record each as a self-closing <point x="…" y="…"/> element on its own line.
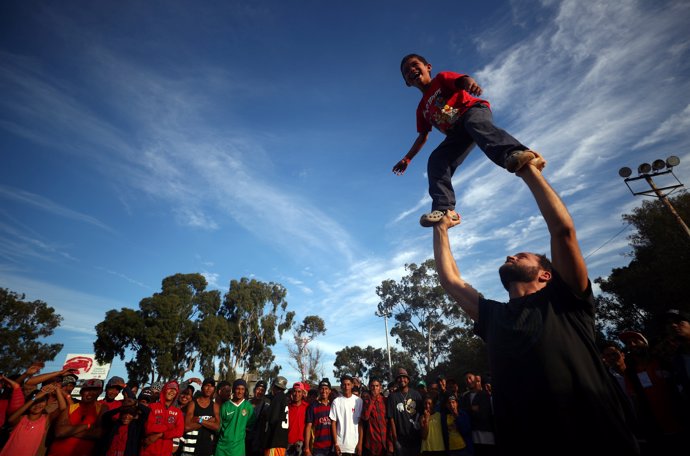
<point x="201" y="418"/>
<point x="406" y="160"/>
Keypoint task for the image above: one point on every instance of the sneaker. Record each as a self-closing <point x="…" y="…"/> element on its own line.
<point x="519" y="159"/>
<point x="433" y="217"/>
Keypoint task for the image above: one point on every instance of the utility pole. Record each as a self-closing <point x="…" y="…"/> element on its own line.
<point x="646" y="171"/>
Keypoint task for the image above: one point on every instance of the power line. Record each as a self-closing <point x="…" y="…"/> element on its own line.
<point x="612" y="238"/>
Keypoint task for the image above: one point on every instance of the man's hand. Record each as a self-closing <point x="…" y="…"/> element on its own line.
<point x="469" y="84"/>
<point x="449" y="220"/>
<point x="538" y="163"/>
<point x="152" y="438"/>
<point x="401" y="166"/>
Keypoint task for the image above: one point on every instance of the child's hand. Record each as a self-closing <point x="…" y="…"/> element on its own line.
<point x="401" y="166"/>
<point x="470" y="85"/>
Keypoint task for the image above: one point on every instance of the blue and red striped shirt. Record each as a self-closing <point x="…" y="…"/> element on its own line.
<point x="317" y="415"/>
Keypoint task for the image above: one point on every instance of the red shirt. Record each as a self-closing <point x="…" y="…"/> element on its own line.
<point x="296" y="414"/>
<point x="443" y="103"/>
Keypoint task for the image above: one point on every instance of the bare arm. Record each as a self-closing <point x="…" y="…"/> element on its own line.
<point x="565" y="250"/>
<point x="213" y="424"/>
<point x="307" y="439"/>
<point x="401" y="166"/>
<point x="45" y="377"/>
<point x="190" y="424"/>
<point x="449" y="275"/>
<point x="469" y="84"/>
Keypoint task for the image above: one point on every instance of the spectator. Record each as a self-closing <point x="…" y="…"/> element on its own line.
<point x="112" y="390"/>
<point x="223" y="392"/>
<point x="476" y="402"/>
<point x="79" y="426"/>
<point x="12" y="398"/>
<point x="69" y="381"/>
<point x="655" y="398"/>
<point x="123" y="428"/>
<point x="297" y="410"/>
<point x="678" y="329"/>
<point x="404" y="410"/>
<point x="377" y="440"/>
<point x="345" y="413"/>
<point x="260" y="404"/>
<point x="146" y="397"/>
<point x="30" y="425"/>
<point x="274" y="427"/>
<point x="421" y="388"/>
<point x="318" y="440"/>
<point x="165" y="423"/>
<point x="235" y="416"/>
<point x="202" y="421"/>
<point x="430" y="424"/>
<point x="455" y="427"/>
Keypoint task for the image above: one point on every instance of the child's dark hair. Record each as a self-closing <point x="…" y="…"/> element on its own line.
<point x="412" y="56"/>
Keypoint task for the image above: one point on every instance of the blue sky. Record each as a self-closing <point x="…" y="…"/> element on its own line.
<point x="256" y="139"/>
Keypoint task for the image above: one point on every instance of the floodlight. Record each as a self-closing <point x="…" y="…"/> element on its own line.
<point x="672" y="161"/>
<point x="624" y="172"/>
<point x="658" y="165"/>
<point x="644" y="168"/>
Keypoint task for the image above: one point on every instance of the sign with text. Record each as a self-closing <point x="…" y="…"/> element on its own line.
<point x="86" y="366"/>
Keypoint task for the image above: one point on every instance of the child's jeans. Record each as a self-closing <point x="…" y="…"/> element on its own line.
<point x="474" y="127"/>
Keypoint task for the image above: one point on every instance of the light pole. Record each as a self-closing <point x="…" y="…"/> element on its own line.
<point x="386" y="313"/>
<point x="646" y="171"/>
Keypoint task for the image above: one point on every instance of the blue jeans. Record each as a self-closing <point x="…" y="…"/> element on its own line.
<point x="476" y="126"/>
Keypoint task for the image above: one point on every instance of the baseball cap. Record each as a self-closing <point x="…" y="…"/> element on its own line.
<point x="280" y="382"/>
<point x="69" y="378"/>
<point x="92" y="383"/>
<point x="260" y="384"/>
<point x="298" y="385"/>
<point x="421" y="383"/>
<point x="325" y="382"/>
<point x="677" y="315"/>
<point x="115" y="382"/>
<point x="628" y="335"/>
<point x="402" y="373"/>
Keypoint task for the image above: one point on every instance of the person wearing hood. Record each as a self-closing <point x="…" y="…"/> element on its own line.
<point x="165" y="423"/>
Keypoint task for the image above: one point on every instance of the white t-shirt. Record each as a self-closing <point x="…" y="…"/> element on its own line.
<point x="345" y="411"/>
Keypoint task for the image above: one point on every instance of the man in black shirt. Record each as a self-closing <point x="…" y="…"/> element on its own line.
<point x="274" y="423"/>
<point x="551" y="391"/>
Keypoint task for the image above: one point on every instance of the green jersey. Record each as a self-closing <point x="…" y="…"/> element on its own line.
<point x="234" y="420"/>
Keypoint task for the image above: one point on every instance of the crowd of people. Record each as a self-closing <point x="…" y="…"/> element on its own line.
<point x="41" y="415"/>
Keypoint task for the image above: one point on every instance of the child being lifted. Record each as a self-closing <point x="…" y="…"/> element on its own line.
<point x="449" y="103"/>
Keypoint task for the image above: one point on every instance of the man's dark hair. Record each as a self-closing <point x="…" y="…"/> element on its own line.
<point x="544" y="262"/>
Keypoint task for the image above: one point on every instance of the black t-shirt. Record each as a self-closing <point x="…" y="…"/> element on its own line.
<point x="405" y="409"/>
<point x="550" y="388"/>
<point x="275" y="423"/>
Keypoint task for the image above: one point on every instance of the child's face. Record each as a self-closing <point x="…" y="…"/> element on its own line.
<point x="416" y="73"/>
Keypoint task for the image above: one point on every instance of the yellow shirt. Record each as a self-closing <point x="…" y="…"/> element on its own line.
<point x="434" y="440"/>
<point x="455" y="440"/>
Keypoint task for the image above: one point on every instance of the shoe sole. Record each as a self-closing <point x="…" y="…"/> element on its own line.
<point x="428" y="222"/>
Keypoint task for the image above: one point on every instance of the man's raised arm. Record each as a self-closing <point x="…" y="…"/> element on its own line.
<point x="463" y="293"/>
<point x="565" y="250"/>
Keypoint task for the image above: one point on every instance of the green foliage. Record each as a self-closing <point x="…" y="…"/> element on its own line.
<point x="256" y="315"/>
<point x="23" y="323"/>
<point x="163" y="333"/>
<point x="656" y="279"/>
<point x="371" y="363"/>
<point x="185" y="323"/>
<point x="426" y="319"/>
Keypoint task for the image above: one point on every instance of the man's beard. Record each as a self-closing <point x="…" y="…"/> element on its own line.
<point x="511" y="272"/>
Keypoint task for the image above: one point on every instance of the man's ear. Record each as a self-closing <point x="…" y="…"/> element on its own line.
<point x="544" y="276"/>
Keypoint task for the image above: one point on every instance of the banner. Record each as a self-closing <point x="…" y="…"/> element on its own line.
<point x="86" y="367"/>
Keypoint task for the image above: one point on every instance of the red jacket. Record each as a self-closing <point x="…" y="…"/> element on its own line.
<point x="168" y="420"/>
